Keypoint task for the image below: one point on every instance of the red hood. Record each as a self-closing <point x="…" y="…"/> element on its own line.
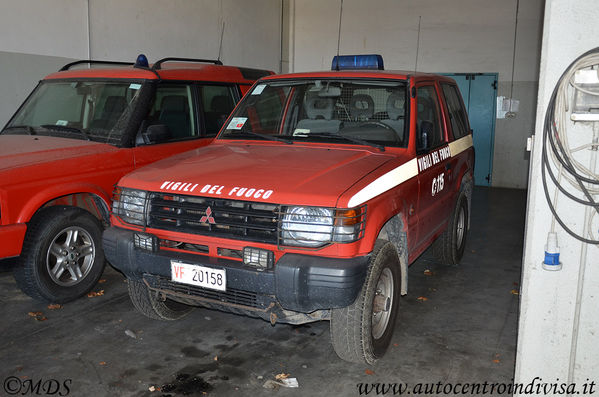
<point x="18" y="151"/>
<point x="277" y="173"/>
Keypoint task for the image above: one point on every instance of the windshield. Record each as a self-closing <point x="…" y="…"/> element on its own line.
<point x="91" y="110"/>
<point x="343" y="111"/>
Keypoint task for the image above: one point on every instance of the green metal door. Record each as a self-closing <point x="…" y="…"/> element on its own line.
<point x="479" y="91"/>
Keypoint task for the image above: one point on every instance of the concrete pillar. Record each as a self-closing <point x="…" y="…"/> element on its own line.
<point x="559" y="314"/>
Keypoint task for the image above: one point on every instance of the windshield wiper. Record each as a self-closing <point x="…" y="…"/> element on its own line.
<point x="263" y="136"/>
<point x="27" y="128"/>
<point x="339" y="136"/>
<point x="56" y="127"/>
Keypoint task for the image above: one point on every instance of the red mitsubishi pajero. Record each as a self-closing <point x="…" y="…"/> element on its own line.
<point x="318" y="193"/>
<point x="81" y="130"/>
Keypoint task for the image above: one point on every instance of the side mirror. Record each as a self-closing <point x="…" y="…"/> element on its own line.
<point x="156" y="133"/>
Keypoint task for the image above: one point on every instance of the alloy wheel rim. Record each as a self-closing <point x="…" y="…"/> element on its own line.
<point x="70" y="256"/>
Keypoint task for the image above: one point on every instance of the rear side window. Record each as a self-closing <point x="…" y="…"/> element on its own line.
<point x="457" y="114"/>
<point x="430" y="134"/>
<point x="218" y="102"/>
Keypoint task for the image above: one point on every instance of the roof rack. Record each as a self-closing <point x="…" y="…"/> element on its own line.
<point x="91" y="62"/>
<point x="158" y="64"/>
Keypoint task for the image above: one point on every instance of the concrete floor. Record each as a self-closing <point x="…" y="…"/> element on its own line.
<point x="465" y="331"/>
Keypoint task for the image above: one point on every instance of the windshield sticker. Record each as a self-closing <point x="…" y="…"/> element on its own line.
<point x="134" y="86"/>
<point x="259" y="88"/>
<point x="301" y="132"/>
<point x="237" y="123"/>
<point x="63" y="123"/>
<point x="218" y="190"/>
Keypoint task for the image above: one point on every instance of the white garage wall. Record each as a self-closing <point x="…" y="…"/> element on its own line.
<point x="39" y="36"/>
<point x="188" y="28"/>
<point x="460" y="36"/>
<point x="49" y="27"/>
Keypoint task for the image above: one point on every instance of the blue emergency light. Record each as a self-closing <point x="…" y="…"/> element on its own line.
<point x="141" y="61"/>
<point x="349" y="62"/>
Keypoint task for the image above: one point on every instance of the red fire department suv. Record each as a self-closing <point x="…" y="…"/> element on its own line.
<point x="319" y="192"/>
<point x="80" y="131"/>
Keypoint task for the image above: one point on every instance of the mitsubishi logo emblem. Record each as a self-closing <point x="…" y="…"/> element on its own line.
<point x="208" y="217"/>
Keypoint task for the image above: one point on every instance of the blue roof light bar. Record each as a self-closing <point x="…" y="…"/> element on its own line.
<point x="349" y="62"/>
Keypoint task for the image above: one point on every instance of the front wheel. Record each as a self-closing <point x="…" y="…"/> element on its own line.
<point x="362" y="331"/>
<point x="62" y="257"/>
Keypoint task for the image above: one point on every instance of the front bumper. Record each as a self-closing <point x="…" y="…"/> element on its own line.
<point x="11" y="240"/>
<point x="298" y="283"/>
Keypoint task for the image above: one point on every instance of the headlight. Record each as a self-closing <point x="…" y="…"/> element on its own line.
<point x="316" y="226"/>
<point x="307" y="226"/>
<point x="130" y="205"/>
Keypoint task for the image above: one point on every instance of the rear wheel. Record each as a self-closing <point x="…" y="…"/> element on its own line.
<point x="62" y="257"/>
<point x="152" y="305"/>
<point x="362" y="331"/>
<point x="449" y="247"/>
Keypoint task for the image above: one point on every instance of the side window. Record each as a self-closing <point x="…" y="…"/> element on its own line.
<point x="457" y="114"/>
<point x="429" y="133"/>
<point x="173" y="107"/>
<point x="218" y="102"/>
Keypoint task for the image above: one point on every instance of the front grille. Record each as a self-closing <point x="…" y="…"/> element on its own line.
<point x="214" y="217"/>
<point x="231" y="296"/>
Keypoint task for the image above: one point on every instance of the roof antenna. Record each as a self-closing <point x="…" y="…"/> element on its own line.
<point x="339" y="34"/>
<point x="417" y="45"/>
<point x="220" y="46"/>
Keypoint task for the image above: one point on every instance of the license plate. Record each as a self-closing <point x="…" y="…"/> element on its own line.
<point x="200" y="276"/>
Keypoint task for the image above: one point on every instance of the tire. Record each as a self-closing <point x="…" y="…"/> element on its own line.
<point x="361" y="333"/>
<point x="152" y="306"/>
<point x="449" y="247"/>
<point x="62" y="257"/>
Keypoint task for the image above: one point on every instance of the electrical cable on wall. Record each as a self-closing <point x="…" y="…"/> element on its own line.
<point x="583" y="179"/>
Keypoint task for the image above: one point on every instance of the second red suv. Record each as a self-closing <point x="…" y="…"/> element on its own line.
<point x="78" y="132"/>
